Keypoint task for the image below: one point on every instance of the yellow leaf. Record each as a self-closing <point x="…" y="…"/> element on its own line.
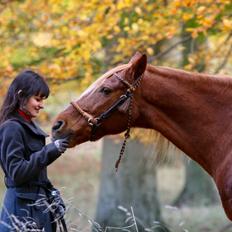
<point x="42" y="39"/>
<point x="187" y="16"/>
<point x="138" y="10"/>
<point x="200" y="10"/>
<point x="227" y="23"/>
<point x="116" y="29"/>
<point x="135" y="27"/>
<point x="208" y="21"/>
<point x="150" y="51"/>
<point x="126" y="20"/>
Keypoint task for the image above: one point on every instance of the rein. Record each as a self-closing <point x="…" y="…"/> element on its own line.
<point x="95" y="122"/>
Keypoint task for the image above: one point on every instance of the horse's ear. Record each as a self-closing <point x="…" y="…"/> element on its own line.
<point x="138" y="66"/>
<point x="139" y="63"/>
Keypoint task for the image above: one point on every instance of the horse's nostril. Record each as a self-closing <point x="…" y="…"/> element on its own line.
<point x="57" y="125"/>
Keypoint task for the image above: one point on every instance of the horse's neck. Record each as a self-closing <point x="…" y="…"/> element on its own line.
<point x="191" y="110"/>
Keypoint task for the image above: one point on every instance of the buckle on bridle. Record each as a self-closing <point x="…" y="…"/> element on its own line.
<point x="90" y="122"/>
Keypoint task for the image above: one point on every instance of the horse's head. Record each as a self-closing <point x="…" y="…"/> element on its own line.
<point x="103" y="108"/>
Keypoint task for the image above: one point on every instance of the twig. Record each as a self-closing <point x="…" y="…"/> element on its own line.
<point x="125" y="228"/>
<point x="136" y="227"/>
<point x="161" y="54"/>
<point x="224" y="42"/>
<point x="224" y="62"/>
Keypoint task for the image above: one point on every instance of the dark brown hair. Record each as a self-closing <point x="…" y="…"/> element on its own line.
<point x="26" y="84"/>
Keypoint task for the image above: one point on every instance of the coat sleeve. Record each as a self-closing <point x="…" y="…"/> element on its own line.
<point x="13" y="159"/>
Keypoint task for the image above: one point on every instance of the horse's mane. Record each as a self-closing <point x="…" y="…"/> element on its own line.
<point x="170" y="72"/>
<point x="167" y="71"/>
<point x="219" y="83"/>
<point x="114" y="70"/>
<point x="105" y="75"/>
<point x="161" y="150"/>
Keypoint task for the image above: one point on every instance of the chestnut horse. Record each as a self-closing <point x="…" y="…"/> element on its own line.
<point x="191" y="110"/>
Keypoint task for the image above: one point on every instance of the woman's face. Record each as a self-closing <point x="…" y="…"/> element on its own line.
<point x="34" y="105"/>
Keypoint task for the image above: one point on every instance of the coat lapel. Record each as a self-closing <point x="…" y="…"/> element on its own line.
<point x="32" y="126"/>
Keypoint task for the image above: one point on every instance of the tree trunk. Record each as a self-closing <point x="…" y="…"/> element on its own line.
<point x="132" y="187"/>
<point x="199" y="188"/>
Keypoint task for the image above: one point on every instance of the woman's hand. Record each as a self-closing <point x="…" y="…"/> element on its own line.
<point x="61" y="144"/>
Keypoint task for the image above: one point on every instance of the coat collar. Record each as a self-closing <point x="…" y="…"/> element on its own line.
<point x="32" y="126"/>
<point x="26" y="116"/>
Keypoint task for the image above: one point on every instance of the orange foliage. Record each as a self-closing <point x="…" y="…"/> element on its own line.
<point x="78" y="39"/>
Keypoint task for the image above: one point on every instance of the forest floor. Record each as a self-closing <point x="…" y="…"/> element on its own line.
<point x="77" y="173"/>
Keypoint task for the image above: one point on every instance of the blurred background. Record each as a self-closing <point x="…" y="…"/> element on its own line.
<point x="72" y="43"/>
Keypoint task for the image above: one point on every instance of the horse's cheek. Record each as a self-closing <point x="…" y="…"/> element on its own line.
<point x="227" y="205"/>
<point x="224" y="185"/>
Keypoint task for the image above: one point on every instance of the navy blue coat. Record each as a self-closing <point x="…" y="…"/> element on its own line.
<point x="24" y="158"/>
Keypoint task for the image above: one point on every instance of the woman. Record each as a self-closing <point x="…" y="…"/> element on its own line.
<point x="31" y="203"/>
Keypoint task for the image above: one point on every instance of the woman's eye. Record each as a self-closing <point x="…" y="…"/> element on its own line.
<point x="105" y="90"/>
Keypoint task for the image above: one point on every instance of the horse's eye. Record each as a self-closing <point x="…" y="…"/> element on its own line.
<point x="105" y="90"/>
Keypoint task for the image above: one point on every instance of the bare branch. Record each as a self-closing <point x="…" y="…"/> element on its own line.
<point x="161" y="54"/>
<point x="224" y="62"/>
<point x="224" y="42"/>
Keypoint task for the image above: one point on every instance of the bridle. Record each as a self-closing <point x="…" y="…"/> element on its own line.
<point x="95" y="122"/>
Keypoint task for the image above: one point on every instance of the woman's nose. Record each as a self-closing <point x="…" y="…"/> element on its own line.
<point x="57" y="126"/>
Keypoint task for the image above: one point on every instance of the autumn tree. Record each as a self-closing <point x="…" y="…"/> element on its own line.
<point x="79" y="39"/>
